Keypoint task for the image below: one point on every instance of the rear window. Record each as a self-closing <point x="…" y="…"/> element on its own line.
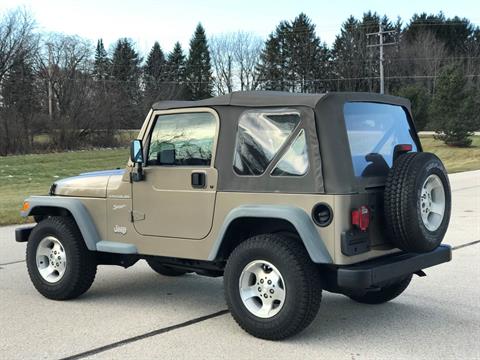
<point x="373" y="130"/>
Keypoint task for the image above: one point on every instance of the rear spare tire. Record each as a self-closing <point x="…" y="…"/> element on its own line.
<point x="417" y="202"/>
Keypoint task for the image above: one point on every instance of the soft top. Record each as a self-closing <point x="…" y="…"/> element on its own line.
<point x="272" y="98"/>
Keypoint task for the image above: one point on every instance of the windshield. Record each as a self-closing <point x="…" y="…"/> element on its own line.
<point x="373" y="130"/>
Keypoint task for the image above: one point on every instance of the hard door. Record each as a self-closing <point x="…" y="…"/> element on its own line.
<point x="177" y="196"/>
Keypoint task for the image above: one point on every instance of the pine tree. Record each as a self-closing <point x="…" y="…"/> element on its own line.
<point x="454" y="111"/>
<point x="101" y="66"/>
<point x="176" y="63"/>
<point x="294" y="58"/>
<point x="125" y="76"/>
<point x="199" y="68"/>
<point x="154" y="70"/>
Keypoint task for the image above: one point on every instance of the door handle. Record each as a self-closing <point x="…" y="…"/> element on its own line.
<point x="199" y="180"/>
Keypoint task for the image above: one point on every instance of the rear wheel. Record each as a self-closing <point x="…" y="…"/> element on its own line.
<point x="384" y="294"/>
<point x="272" y="288"/>
<point x="59" y="264"/>
<point x="163" y="269"/>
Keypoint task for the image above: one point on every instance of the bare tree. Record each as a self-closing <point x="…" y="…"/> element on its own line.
<point x="66" y="62"/>
<point x="17" y="39"/>
<point x="234" y="57"/>
<point x="247" y="54"/>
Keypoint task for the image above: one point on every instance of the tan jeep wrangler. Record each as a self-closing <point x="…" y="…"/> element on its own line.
<point x="285" y="195"/>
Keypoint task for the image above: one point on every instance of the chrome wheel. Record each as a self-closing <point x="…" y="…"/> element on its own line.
<point x="262" y="289"/>
<point x="432" y="202"/>
<point x="51" y="259"/>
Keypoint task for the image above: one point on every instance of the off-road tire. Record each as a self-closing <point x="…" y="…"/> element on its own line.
<point x="402" y="204"/>
<point x="302" y="283"/>
<point x="386" y="293"/>
<point x="81" y="265"/>
<point x="164" y="270"/>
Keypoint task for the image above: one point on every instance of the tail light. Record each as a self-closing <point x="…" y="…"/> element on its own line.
<point x="361" y="218"/>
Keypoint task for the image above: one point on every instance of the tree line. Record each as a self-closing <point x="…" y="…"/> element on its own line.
<point x="80" y="95"/>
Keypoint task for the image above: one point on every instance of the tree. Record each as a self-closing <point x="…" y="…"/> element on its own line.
<point x="17" y="39"/>
<point x="309" y="62"/>
<point x="199" y="69"/>
<point x="20" y="107"/>
<point x="294" y="58"/>
<point x="176" y="74"/>
<point x="126" y="81"/>
<point x="454" y="111"/>
<point x="102" y="64"/>
<point x="420" y="99"/>
<point x="67" y="65"/>
<point x="154" y="72"/>
<point x="234" y="58"/>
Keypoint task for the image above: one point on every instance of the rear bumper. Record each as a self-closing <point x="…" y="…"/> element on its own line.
<point x="22" y="233"/>
<point x="374" y="273"/>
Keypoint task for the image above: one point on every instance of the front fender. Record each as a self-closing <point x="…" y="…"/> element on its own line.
<point x="297" y="217"/>
<point x="40" y="205"/>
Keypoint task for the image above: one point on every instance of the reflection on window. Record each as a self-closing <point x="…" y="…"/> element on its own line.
<point x="373" y="130"/>
<point x="188" y="137"/>
<point x="295" y="161"/>
<point x="260" y="136"/>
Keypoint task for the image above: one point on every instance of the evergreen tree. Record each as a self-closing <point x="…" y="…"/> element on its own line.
<point x="125" y="76"/>
<point x="420" y="99"/>
<point x="101" y="66"/>
<point x="454" y="110"/>
<point x="199" y="68"/>
<point x="154" y="70"/>
<point x="294" y="59"/>
<point x="176" y="63"/>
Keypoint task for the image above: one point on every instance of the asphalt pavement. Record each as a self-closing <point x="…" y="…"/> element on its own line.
<point x="135" y="313"/>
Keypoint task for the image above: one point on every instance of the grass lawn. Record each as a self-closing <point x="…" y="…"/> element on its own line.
<point x="26" y="175"/>
<point x="454" y="159"/>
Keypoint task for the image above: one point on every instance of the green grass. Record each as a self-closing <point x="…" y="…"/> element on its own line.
<point x="454" y="159"/>
<point x="24" y="175"/>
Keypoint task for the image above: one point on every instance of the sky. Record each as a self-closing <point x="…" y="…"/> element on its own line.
<point x="147" y="21"/>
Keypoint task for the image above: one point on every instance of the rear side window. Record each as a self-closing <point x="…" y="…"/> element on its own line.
<point x="260" y="135"/>
<point x="373" y="130"/>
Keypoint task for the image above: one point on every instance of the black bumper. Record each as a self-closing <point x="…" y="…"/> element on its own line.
<point x="22" y="233"/>
<point x="374" y="273"/>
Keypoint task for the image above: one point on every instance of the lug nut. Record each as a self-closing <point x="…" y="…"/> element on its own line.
<point x="269" y="282"/>
<point x="261" y="281"/>
<point x="259" y="289"/>
<point x="271" y="291"/>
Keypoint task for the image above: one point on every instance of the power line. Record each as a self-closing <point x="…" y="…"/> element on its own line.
<point x="381" y="45"/>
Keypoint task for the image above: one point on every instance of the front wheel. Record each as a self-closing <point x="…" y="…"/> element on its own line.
<point x="272" y="288"/>
<point x="384" y="294"/>
<point x="59" y="264"/>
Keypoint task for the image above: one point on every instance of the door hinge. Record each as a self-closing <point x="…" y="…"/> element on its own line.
<point x="136" y="216"/>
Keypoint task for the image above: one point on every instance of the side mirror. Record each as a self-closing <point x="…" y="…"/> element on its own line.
<point x="136" y="152"/>
<point x="166" y="155"/>
<point x="136" y="155"/>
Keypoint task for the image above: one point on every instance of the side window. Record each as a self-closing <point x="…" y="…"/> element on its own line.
<point x="182" y="139"/>
<point x="295" y="161"/>
<point x="260" y="136"/>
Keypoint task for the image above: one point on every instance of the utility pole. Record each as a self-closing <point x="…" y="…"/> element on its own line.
<point x="50" y="89"/>
<point x="381" y="44"/>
